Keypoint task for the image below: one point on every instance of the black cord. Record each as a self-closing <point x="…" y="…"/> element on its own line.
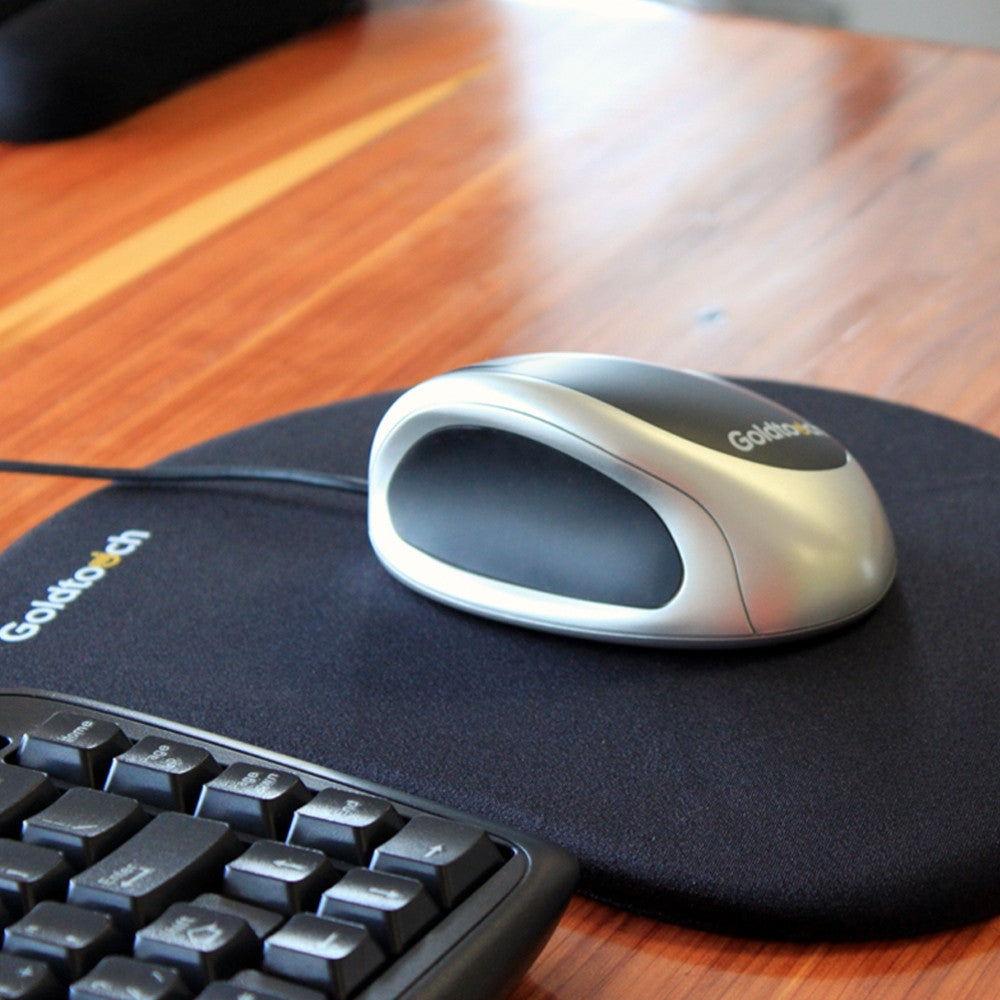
<point x="165" y="475"/>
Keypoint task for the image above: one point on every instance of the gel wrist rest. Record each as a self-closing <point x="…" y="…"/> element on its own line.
<point x="10" y="7"/>
<point x="68" y="67"/>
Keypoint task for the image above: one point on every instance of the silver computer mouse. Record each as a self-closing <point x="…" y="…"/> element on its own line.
<point x="618" y="500"/>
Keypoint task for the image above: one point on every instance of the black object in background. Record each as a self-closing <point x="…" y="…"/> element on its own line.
<point x="68" y="67"/>
<point x="10" y="7"/>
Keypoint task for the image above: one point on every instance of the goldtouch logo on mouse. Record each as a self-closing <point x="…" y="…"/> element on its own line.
<point x="759" y="435"/>
<point x="65" y="591"/>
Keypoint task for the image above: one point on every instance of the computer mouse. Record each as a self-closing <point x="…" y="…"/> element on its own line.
<point x="614" y="499"/>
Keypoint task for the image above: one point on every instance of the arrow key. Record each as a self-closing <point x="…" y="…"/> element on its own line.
<point x="279" y="877"/>
<point x="118" y="977"/>
<point x="395" y="910"/>
<point x="333" y="956"/>
<point x="449" y="858"/>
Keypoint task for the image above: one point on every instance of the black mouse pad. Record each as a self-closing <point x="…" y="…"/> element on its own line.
<point x="846" y="786"/>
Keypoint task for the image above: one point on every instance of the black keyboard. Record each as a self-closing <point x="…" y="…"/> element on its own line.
<point x="145" y="861"/>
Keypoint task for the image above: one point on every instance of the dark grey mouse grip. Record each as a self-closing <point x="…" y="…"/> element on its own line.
<point x="509" y="508"/>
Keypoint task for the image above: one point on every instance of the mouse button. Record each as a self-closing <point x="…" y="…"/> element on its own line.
<point x="810" y="551"/>
<point x="702" y="408"/>
<point x="503" y="506"/>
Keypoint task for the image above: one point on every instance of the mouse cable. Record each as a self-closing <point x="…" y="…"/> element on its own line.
<point x="166" y="475"/>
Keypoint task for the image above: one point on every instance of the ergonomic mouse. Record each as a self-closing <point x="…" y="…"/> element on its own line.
<point x="619" y="500"/>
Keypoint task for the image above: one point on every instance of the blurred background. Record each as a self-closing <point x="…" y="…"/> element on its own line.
<point x="960" y="22"/>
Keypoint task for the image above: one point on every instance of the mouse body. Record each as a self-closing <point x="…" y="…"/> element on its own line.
<point x="618" y="500"/>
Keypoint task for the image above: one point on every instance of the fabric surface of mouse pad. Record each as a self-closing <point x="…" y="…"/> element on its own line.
<point x="840" y="787"/>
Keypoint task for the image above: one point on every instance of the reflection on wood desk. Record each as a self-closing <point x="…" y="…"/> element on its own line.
<point x="435" y="183"/>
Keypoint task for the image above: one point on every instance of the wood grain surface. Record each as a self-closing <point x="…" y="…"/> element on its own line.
<point x="434" y="183"/>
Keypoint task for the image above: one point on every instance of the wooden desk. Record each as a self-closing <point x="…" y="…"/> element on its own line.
<point x="441" y="182"/>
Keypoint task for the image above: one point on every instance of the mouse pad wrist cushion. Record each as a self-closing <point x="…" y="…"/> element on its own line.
<point x="68" y="67"/>
<point x="840" y="787"/>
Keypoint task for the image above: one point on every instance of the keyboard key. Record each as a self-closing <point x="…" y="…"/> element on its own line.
<point x="335" y="957"/>
<point x="396" y="910"/>
<point x="282" y="878"/>
<point x="345" y="825"/>
<point x="253" y="985"/>
<point x="162" y="773"/>
<point x="23" y="791"/>
<point x="449" y="858"/>
<point x="27" y="979"/>
<point x="70" y="940"/>
<point x="73" y="747"/>
<point x="118" y="977"/>
<point x="143" y="868"/>
<point x="85" y="825"/>
<point x="29" y="874"/>
<point x="253" y="799"/>
<point x="262" y="922"/>
<point x="171" y="857"/>
<point x="200" y="944"/>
